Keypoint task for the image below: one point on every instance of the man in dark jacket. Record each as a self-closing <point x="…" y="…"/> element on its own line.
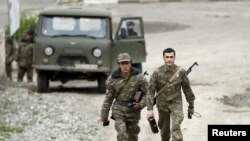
<point x="25" y="58"/>
<point x="130" y="28"/>
<point x="122" y="86"/>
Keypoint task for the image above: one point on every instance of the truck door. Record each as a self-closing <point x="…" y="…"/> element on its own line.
<point x="129" y="38"/>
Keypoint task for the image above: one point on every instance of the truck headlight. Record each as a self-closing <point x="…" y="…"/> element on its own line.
<point x="48" y="51"/>
<point x="97" y="52"/>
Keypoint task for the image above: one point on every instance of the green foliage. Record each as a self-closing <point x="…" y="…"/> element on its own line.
<point x="11" y="129"/>
<point x="25" y="22"/>
<point x="6" y="131"/>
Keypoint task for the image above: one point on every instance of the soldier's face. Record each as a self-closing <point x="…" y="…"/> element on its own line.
<point x="169" y="59"/>
<point x="125" y="67"/>
<point x="26" y="36"/>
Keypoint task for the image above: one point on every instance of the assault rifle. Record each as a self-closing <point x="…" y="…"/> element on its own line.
<point x="190" y="68"/>
<point x="188" y="71"/>
<point x="151" y="120"/>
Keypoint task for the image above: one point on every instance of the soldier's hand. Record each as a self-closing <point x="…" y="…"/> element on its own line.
<point x="150" y="114"/>
<point x="191" y="109"/>
<point x="136" y="105"/>
<point x="17" y="63"/>
<point x="105" y="121"/>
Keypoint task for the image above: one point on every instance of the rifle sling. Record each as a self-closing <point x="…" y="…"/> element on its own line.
<point x="166" y="85"/>
<point x="125" y="86"/>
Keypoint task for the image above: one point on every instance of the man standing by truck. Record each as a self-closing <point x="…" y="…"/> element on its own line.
<point x="9" y="55"/>
<point x="25" y="57"/>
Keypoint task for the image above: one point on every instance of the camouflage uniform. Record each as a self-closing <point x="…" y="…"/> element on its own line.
<point x="169" y="102"/>
<point x="126" y="119"/>
<point x="9" y="56"/>
<point x="25" y="61"/>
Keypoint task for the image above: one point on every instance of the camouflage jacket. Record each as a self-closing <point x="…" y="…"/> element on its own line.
<point x="25" y="54"/>
<point x="115" y="84"/>
<point x="9" y="51"/>
<point x="171" y="93"/>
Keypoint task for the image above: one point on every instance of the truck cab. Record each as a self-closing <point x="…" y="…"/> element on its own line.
<point x="78" y="43"/>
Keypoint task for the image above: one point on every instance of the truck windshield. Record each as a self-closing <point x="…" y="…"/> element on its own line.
<point x="74" y="26"/>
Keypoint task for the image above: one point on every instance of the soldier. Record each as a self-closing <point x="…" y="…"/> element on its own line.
<point x="122" y="86"/>
<point x="131" y="30"/>
<point x="25" y="57"/>
<point x="169" y="101"/>
<point x="9" y="56"/>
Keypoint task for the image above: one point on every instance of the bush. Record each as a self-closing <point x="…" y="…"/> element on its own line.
<point x="26" y="22"/>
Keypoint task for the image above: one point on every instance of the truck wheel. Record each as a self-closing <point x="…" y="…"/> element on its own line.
<point x="42" y="82"/>
<point x="101" y="84"/>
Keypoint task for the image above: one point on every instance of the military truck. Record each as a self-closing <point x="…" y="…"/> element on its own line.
<point x="79" y="44"/>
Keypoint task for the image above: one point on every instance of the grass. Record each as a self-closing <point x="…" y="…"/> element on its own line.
<point x="9" y="107"/>
<point x="6" y="131"/>
<point x="11" y="129"/>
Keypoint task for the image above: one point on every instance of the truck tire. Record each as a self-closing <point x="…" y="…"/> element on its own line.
<point x="101" y="84"/>
<point x="42" y="82"/>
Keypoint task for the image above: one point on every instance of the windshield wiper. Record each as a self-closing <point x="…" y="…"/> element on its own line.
<point x="67" y="35"/>
<point x="87" y="36"/>
<point x="62" y="35"/>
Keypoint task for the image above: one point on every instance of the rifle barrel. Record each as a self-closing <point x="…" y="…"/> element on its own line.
<point x="190" y="68"/>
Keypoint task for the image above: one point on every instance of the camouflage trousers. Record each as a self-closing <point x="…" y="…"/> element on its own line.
<point x="174" y="113"/>
<point x="22" y="71"/>
<point x="127" y="130"/>
<point x="8" y="70"/>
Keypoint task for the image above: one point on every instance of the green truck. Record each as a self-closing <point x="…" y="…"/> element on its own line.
<point x="79" y="44"/>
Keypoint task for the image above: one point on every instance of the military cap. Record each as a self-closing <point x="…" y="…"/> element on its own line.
<point x="130" y="23"/>
<point x="123" y="57"/>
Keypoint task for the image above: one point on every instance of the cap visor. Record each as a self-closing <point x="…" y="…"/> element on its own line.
<point x="124" y="60"/>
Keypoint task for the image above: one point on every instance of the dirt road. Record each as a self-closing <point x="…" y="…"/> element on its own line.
<point x="216" y="35"/>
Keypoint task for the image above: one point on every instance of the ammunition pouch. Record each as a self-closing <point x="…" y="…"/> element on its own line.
<point x="153" y="125"/>
<point x="189" y="113"/>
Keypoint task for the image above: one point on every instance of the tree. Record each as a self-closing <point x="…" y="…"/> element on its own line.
<point x="26" y="22"/>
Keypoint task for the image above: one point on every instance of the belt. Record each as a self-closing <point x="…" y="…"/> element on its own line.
<point x="125" y="103"/>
